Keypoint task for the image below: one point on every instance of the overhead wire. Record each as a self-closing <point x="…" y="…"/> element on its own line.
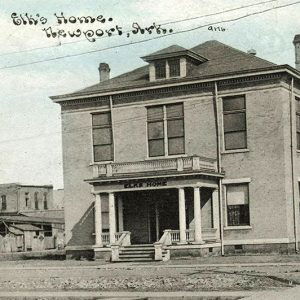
<point x="128" y="31"/>
<point x="149" y="39"/>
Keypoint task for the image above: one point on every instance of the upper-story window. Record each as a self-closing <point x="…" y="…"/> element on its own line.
<point x="234" y="120"/>
<point x="36" y="201"/>
<point x="27" y="200"/>
<point x="160" y="69"/>
<point x="45" y="201"/>
<point x="3" y="202"/>
<point x="165" y="130"/>
<point x="298" y="122"/>
<point x="167" y="68"/>
<point x="102" y="137"/>
<point x="174" y="67"/>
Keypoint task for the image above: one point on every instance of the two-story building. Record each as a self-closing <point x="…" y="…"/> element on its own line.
<point x="195" y="152"/>
<point x="28" y="211"/>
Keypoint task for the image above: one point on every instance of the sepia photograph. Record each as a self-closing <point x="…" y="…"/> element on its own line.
<point x="150" y="149"/>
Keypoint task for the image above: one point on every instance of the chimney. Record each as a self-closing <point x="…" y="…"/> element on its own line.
<point x="104" y="71"/>
<point x="252" y="51"/>
<point x="296" y="43"/>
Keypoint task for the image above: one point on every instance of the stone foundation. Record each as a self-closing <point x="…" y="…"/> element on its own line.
<point x="194" y="252"/>
<point x="80" y="254"/>
<point x="176" y="252"/>
<point x="103" y="255"/>
<point x="260" y="249"/>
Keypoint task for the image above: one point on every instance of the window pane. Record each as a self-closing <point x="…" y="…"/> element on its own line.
<point x="102" y="153"/>
<point x="155" y="130"/>
<point x="156" y="148"/>
<point x="297" y="105"/>
<point x="298" y="122"/>
<point x="235" y="140"/>
<point x="234" y="122"/>
<point x="174" y="66"/>
<point x="238" y="215"/>
<point x="237" y="194"/>
<point x="160" y="69"/>
<point x="235" y="103"/>
<point x="101" y="119"/>
<point x="176" y="146"/>
<point x="175" y="111"/>
<point x="175" y="128"/>
<point x="155" y="113"/>
<point x="102" y="136"/>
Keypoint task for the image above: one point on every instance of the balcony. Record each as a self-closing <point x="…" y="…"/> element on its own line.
<point x="178" y="164"/>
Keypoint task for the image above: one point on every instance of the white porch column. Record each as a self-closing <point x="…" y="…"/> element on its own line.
<point x="112" y="218"/>
<point x="182" y="217"/>
<point x="120" y="213"/>
<point x="216" y="212"/>
<point x="98" y="220"/>
<point x="197" y="215"/>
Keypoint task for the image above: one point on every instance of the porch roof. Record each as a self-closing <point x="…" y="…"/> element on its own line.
<point x="26" y="227"/>
<point x="154" y="175"/>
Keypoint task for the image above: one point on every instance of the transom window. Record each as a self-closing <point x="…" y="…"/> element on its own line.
<point x="234" y="121"/>
<point x="298" y="122"/>
<point x="165" y="130"/>
<point x="102" y="137"/>
<point x="237" y="197"/>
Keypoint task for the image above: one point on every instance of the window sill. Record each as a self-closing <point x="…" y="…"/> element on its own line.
<point x="238" y="228"/>
<point x="235" y="151"/>
<point x="166" y="157"/>
<point x="101" y="162"/>
<point x="168" y="78"/>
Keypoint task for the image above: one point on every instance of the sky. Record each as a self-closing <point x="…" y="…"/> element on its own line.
<point x="34" y="67"/>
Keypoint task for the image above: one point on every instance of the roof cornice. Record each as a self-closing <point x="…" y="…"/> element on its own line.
<point x="188" y="53"/>
<point x="183" y="81"/>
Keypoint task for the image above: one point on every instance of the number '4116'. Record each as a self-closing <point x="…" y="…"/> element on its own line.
<point x="212" y="28"/>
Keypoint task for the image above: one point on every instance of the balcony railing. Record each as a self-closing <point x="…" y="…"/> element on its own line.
<point x="189" y="163"/>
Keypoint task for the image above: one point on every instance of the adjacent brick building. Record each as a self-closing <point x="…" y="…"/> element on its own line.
<point x="195" y="152"/>
<point x="27" y="212"/>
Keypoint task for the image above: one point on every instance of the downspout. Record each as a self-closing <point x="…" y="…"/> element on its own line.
<point x="292" y="129"/>
<point x="219" y="167"/>
<point x="112" y="122"/>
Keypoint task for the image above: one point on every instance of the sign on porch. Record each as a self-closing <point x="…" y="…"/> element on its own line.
<point x="145" y="184"/>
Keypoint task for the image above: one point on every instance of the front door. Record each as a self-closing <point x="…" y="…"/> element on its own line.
<point x="148" y="213"/>
<point x="163" y="213"/>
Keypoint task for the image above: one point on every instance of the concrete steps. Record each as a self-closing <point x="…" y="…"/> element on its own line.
<point x="137" y="253"/>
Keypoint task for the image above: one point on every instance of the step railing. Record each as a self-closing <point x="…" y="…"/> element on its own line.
<point x="122" y="241"/>
<point x="159" y="246"/>
<point x="208" y="234"/>
<point x="106" y="237"/>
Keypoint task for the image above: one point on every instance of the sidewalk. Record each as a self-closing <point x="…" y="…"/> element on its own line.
<point x="287" y="294"/>
<point x="217" y="261"/>
<point x="123" y="295"/>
